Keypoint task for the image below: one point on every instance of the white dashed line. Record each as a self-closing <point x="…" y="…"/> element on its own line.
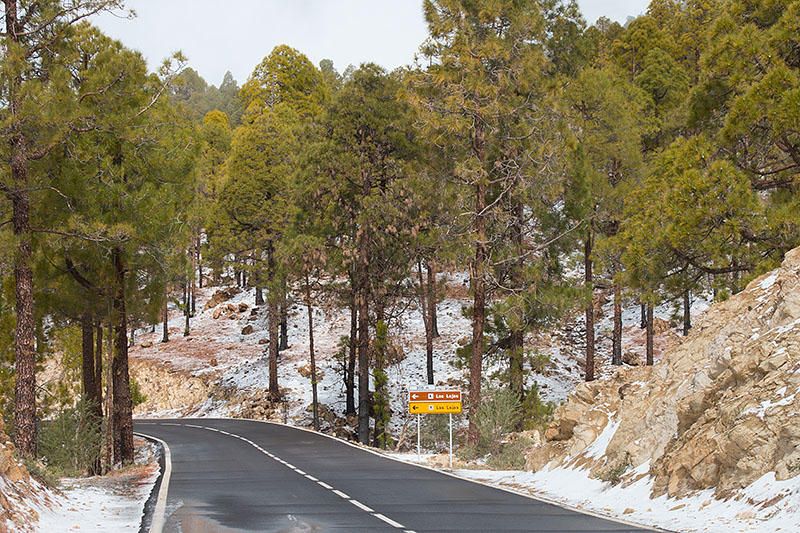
<point x="307" y="476"/>
<point x="388" y="521"/>
<point x="361" y="506"/>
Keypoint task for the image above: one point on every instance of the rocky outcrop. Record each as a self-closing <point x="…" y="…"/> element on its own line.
<point x="719" y="411"/>
<point x="222" y="295"/>
<point x="19" y="494"/>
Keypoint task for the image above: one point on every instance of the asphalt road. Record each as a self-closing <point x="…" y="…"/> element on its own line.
<point x="240" y="475"/>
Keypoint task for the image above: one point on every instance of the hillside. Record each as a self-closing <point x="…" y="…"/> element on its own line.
<point x="716" y="417"/>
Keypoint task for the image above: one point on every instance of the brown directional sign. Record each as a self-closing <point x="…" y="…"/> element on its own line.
<point x="434" y="401"/>
<point x="434" y="396"/>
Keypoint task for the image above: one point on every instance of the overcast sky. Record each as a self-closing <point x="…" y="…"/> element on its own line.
<point x="237" y="34"/>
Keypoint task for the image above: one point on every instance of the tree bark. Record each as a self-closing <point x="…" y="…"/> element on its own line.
<point x="616" y="339"/>
<point x="649" y="347"/>
<point x="24" y="347"/>
<point x="284" y="327"/>
<point x="643" y="312"/>
<point x="122" y="410"/>
<point x="589" y="283"/>
<point x="479" y="286"/>
<point x="88" y="361"/>
<point x="350" y="364"/>
<point x="186" y="297"/>
<point x="363" y="336"/>
<point x="432" y="300"/>
<point x="199" y="263"/>
<point x="687" y="313"/>
<point x="98" y="367"/>
<point x="259" y="296"/>
<point x="517" y="335"/>
<point x="425" y="300"/>
<point x="274" y="391"/>
<point x="314" y="402"/>
<point x="165" y="337"/>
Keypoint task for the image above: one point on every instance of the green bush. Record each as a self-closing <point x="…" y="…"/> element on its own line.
<point x="72" y="442"/>
<point x="498" y="414"/>
<point x="137" y="398"/>
<point x="535" y="413"/>
<point x="614" y="473"/>
<point x="435" y="433"/>
<point x="511" y="456"/>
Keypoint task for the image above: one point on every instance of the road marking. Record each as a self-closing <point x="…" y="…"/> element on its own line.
<point x="309" y="477"/>
<point x="361" y="506"/>
<point x="170" y="424"/>
<point x="159" y="514"/>
<point x="388" y="521"/>
<point x="193" y="426"/>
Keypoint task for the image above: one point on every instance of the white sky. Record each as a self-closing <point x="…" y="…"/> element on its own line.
<point x="236" y="35"/>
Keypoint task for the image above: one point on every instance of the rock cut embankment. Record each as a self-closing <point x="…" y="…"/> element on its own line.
<point x="718" y="412"/>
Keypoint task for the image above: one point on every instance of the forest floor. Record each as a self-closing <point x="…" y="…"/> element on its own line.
<point x="110" y="503"/>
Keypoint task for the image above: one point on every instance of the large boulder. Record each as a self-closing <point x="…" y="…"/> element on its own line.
<point x="716" y="413"/>
<point x="222" y="295"/>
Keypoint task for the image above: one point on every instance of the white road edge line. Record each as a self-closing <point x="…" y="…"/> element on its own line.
<point x="361" y="506"/>
<point x="388" y="521"/>
<point x="159" y="512"/>
<point x="324" y="485"/>
<point x="340" y="494"/>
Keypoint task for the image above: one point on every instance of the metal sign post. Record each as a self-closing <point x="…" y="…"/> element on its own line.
<point x="434" y="402"/>
<point x="418" y="454"/>
<point x="451" y="441"/>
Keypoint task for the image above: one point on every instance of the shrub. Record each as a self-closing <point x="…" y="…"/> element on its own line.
<point x="535" y="413"/>
<point x="72" y="442"/>
<point x="614" y="474"/>
<point x="511" y="456"/>
<point x="497" y="415"/>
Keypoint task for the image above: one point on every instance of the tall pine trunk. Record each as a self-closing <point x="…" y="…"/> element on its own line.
<point x="517" y="337"/>
<point x="589" y="283"/>
<point x="362" y="298"/>
<point x="424" y="298"/>
<point x="479" y="287"/>
<point x="24" y="347"/>
<point x="98" y="368"/>
<point x="687" y="313"/>
<point x="432" y="300"/>
<point x="165" y="312"/>
<point x="314" y="401"/>
<point x="350" y="364"/>
<point x="122" y="410"/>
<point x="272" y="305"/>
<point x="616" y="338"/>
<point x="88" y="375"/>
<point x="186" y="297"/>
<point x="283" y="341"/>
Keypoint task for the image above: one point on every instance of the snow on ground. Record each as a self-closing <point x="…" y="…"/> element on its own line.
<point x="111" y="503"/>
<point x="765" y="506"/>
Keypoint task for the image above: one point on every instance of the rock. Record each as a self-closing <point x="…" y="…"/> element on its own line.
<point x="232" y="308"/>
<point x="254" y="311"/>
<point x="243" y="307"/>
<point x="220" y="296"/>
<point x="213" y="361"/>
<point x="660" y="326"/>
<point x="632" y="359"/>
<point x="263" y="341"/>
<point x="247" y="330"/>
<point x="717" y="412"/>
<point x="233" y="317"/>
<point x="463" y="341"/>
<point x="217" y="312"/>
<point x="628" y="511"/>
<point x="147" y="344"/>
<point x="443" y="461"/>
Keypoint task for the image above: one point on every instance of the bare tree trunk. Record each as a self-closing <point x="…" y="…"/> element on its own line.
<point x="199" y="262"/>
<point x="517" y="336"/>
<point x="284" y="327"/>
<point x="432" y="300"/>
<point x="363" y="337"/>
<point x="314" y="402"/>
<point x="643" y="321"/>
<point x="24" y="347"/>
<point x="165" y="337"/>
<point x="425" y="300"/>
<point x="616" y="339"/>
<point x="88" y="378"/>
<point x="587" y="269"/>
<point x="649" y="348"/>
<point x="122" y="412"/>
<point x="259" y="296"/>
<point x="350" y="365"/>
<point x="479" y="286"/>
<point x="110" y="396"/>
<point x="274" y="391"/>
<point x="98" y="368"/>
<point x="687" y="313"/>
<point x="186" y="297"/>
